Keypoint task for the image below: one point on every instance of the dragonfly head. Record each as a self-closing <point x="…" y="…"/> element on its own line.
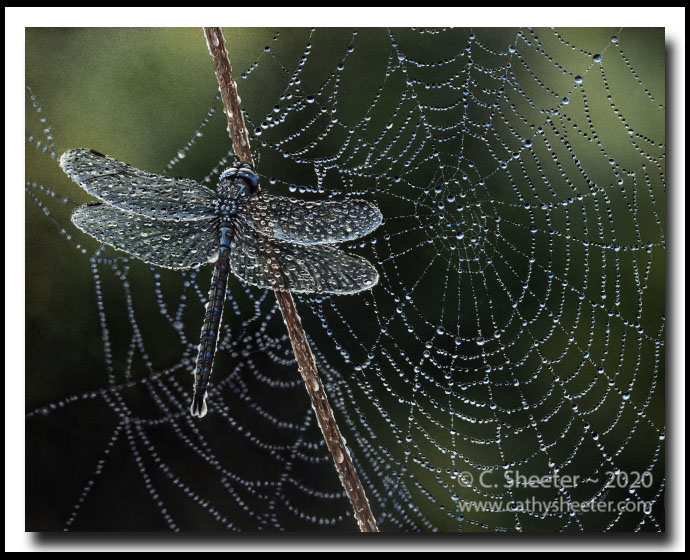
<point x="238" y="182"/>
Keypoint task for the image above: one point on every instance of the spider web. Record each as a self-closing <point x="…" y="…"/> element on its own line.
<point x="517" y="327"/>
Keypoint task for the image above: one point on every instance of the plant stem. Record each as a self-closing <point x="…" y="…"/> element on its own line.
<point x="298" y="338"/>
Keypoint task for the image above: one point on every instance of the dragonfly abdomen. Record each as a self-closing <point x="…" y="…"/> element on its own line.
<point x="211" y="326"/>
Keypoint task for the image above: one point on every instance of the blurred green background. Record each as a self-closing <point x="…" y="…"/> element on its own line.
<point x="139" y="95"/>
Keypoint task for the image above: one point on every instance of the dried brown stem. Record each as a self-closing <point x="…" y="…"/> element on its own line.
<point x="298" y="338"/>
<point x="228" y="91"/>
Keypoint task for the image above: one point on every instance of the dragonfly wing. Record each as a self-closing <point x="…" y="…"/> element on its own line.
<point x="136" y="191"/>
<point x="266" y="262"/>
<point x="313" y="222"/>
<point x="162" y="243"/>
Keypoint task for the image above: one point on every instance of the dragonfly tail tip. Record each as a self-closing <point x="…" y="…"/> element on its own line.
<point x="198" y="408"/>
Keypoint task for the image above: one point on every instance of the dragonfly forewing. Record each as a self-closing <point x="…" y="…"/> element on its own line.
<point x="136" y="191"/>
<point x="308" y="222"/>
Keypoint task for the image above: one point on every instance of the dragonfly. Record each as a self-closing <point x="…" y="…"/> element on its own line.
<point x="268" y="241"/>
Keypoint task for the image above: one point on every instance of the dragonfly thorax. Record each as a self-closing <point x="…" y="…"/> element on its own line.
<point x="226" y="208"/>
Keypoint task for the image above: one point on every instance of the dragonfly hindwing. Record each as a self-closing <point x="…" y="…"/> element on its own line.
<point x="178" y="245"/>
<point x="266" y="262"/>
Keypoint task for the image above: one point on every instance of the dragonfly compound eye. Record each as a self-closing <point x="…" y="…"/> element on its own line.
<point x="249" y="175"/>
<point x="249" y="179"/>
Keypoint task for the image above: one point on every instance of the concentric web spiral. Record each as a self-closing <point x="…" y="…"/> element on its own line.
<point x="506" y="373"/>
